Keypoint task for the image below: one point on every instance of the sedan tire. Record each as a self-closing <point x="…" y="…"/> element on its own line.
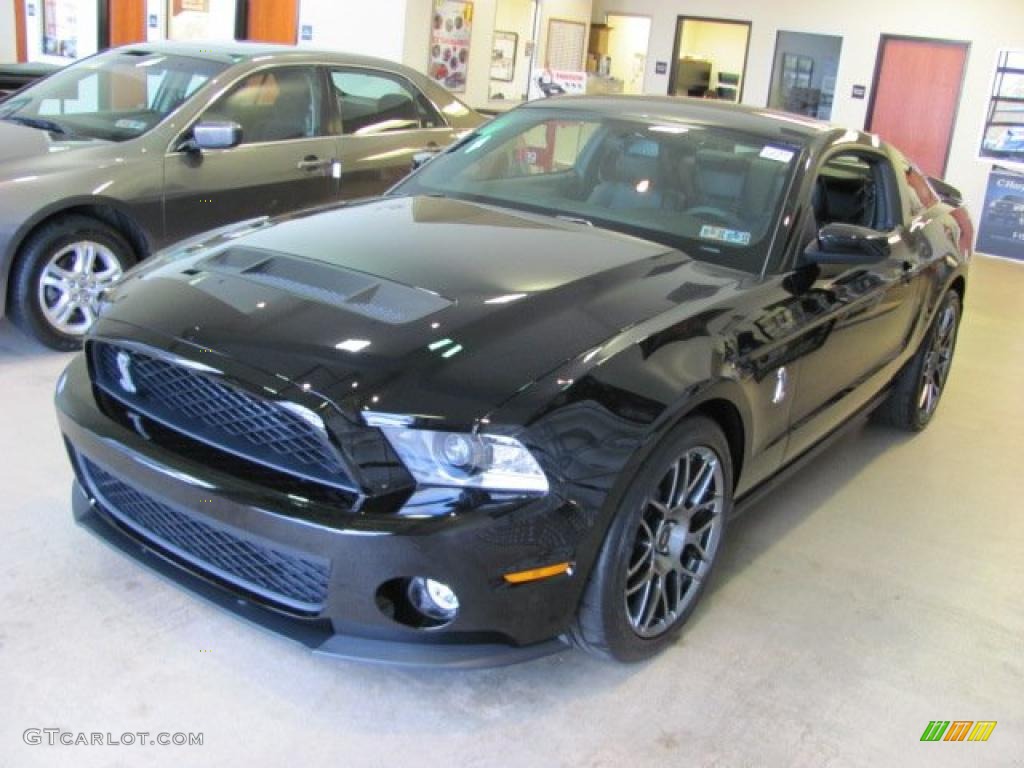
<point x="661" y="547"/>
<point x="60" y="274"/>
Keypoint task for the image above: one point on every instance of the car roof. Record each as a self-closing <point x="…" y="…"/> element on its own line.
<point x="768" y="123"/>
<point x="233" y="52"/>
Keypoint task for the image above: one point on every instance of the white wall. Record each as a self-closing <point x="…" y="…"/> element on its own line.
<point x="8" y="41"/>
<point x="988" y="24"/>
<point x="515" y="16"/>
<point x="368" y="27"/>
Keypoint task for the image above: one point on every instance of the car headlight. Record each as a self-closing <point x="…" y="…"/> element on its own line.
<point x="467" y="460"/>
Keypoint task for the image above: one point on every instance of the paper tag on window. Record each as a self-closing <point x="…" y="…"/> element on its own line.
<point x="777" y="154"/>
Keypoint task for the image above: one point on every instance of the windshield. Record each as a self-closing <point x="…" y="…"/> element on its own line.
<point x="114" y="96"/>
<point x="709" y="191"/>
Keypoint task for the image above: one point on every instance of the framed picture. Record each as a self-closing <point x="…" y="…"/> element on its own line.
<point x="797" y="70"/>
<point x="503" y="56"/>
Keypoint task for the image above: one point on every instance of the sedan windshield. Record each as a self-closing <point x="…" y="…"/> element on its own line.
<point x="706" y="190"/>
<point x="115" y="96"/>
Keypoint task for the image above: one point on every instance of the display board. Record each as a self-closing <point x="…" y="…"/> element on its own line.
<point x="450" y="32"/>
<point x="567" y="45"/>
<point x="1001" y="224"/>
<point x="60" y="28"/>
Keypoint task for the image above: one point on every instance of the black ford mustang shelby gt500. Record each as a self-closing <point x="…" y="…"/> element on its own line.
<point x="513" y="403"/>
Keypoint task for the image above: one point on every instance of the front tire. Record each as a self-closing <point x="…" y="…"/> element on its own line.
<point x="60" y="274"/>
<point x="919" y="386"/>
<point x="661" y="547"/>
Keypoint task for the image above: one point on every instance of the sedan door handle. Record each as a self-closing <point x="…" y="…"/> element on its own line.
<point x="312" y="163"/>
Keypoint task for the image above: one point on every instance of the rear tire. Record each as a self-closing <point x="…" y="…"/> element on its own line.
<point x="59" y="275"/>
<point x="661" y="547"/>
<point x="919" y="386"/>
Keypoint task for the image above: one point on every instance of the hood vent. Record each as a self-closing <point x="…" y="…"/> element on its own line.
<point x="366" y="295"/>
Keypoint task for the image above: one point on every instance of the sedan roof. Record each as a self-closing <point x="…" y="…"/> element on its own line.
<point x="233" y="52"/>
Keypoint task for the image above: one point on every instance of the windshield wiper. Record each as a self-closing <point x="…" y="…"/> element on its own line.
<point x="39" y="122"/>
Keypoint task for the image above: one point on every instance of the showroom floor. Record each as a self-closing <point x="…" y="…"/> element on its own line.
<point x="882" y="589"/>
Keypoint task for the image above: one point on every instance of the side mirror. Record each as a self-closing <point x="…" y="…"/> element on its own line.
<point x="216" y="135"/>
<point x="422" y="158"/>
<point x="849" y="244"/>
<point x="947" y="193"/>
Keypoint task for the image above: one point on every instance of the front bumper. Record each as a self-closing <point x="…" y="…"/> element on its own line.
<point x="347" y="559"/>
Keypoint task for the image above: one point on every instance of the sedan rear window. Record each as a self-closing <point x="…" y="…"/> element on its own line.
<point x="706" y="190"/>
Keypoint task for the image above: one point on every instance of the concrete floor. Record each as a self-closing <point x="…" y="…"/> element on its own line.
<point x="881" y="589"/>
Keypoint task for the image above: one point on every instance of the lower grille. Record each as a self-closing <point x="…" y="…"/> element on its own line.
<point x="297" y="583"/>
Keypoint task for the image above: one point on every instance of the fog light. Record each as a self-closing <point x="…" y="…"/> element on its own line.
<point x="433" y="599"/>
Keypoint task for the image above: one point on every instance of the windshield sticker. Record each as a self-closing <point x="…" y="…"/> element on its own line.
<point x="777" y="154"/>
<point x="133" y="125"/>
<point x="723" y="235"/>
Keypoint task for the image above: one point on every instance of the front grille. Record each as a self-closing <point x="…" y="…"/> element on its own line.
<point x="297" y="583"/>
<point x="199" y="405"/>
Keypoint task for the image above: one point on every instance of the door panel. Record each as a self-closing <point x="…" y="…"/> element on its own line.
<point x="372" y="164"/>
<point x="861" y="316"/>
<point x="916" y="96"/>
<point x="283" y="163"/>
<point x="212" y="188"/>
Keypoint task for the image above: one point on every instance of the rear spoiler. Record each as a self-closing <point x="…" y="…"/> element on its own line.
<point x="949" y="194"/>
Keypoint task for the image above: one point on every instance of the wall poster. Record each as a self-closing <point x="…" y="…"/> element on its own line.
<point x="60" y="28"/>
<point x="1001" y="224"/>
<point x="450" y="31"/>
<point x="1002" y="136"/>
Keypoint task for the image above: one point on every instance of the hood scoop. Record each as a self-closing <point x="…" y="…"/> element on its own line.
<point x="373" y="297"/>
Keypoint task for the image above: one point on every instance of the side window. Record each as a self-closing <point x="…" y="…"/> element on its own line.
<point x="378" y="102"/>
<point x="855" y="188"/>
<point x="275" y="105"/>
<point x="920" y="195"/>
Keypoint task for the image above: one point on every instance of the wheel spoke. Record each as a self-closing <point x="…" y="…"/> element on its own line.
<point x="652" y="598"/>
<point x="670" y="500"/>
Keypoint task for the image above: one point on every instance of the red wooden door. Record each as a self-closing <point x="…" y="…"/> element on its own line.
<point x="273" y="21"/>
<point x="127" y="22"/>
<point x="916" y="95"/>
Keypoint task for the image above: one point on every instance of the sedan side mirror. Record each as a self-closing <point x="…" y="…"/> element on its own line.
<point x="216" y="135"/>
<point x="849" y="244"/>
<point x="422" y="158"/>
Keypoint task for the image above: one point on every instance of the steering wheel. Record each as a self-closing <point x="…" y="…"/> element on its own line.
<point x="716" y="215"/>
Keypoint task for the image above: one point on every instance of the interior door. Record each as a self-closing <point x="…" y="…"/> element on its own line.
<point x="859" y="318"/>
<point x="385" y="121"/>
<point x="916" y="97"/>
<point x="285" y="162"/>
<point x="127" y="22"/>
<point x="272" y="21"/>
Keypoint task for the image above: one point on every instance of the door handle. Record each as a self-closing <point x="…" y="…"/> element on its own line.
<point x="312" y="163"/>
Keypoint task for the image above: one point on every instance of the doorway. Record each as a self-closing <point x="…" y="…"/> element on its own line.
<point x="628" y="40"/>
<point x="710" y="58"/>
<point x="916" y="96"/>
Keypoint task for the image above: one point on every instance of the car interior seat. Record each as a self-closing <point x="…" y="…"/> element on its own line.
<point x="629" y="179"/>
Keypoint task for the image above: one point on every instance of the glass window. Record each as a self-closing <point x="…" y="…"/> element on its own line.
<point x="711" y="58"/>
<point x="852" y="188"/>
<point x="377" y="102"/>
<point x="273" y="105"/>
<point x="116" y="96"/>
<point x="1003" y="137"/>
<point x="804" y="73"/>
<point x="714" y="193"/>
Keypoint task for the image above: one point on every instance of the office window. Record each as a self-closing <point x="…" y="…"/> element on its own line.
<point x="804" y="73"/>
<point x="1003" y="138"/>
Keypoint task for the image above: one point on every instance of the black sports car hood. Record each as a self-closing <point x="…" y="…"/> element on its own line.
<point x="421" y="305"/>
